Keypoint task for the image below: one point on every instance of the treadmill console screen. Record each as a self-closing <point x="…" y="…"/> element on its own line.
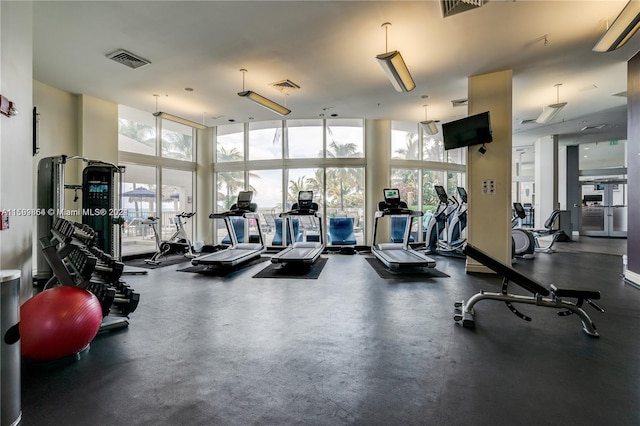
<point x="305" y="199"/>
<point x="463" y="194"/>
<point x="244" y="199"/>
<point x="392" y="197"/>
<point x="442" y="194"/>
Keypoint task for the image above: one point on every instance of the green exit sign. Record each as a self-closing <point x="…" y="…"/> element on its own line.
<point x="613" y="142"/>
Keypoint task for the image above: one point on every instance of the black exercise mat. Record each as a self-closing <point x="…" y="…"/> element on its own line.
<point x="172" y="259"/>
<point x="404" y="274"/>
<point x="293" y="270"/>
<point x="221" y="271"/>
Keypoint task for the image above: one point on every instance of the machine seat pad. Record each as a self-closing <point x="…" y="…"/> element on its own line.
<point x="577" y="293"/>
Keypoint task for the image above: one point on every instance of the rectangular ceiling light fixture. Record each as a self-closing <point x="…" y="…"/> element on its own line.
<point x="429" y="127"/>
<point x="621" y="30"/>
<point x="180" y="120"/>
<point x="264" y="102"/>
<point x="397" y="71"/>
<point x="549" y="112"/>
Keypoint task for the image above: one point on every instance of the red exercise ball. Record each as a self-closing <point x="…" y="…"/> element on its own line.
<point x="58" y="322"/>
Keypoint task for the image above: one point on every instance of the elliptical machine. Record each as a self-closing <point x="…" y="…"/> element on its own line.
<point x="523" y="242"/>
<point x="178" y="242"/>
<point x="440" y="236"/>
<point x="526" y="242"/>
<point x="458" y="220"/>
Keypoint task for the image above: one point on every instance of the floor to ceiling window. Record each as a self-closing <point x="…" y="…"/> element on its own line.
<point x="177" y="198"/>
<point x="419" y="162"/>
<point x="277" y="159"/>
<point x="304" y="139"/>
<point x="282" y="158"/>
<point x="158" y="178"/>
<point x="139" y="202"/>
<point x="177" y="141"/>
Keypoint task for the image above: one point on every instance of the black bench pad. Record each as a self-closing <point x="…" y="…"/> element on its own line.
<point x="506" y="271"/>
<point x="577" y="293"/>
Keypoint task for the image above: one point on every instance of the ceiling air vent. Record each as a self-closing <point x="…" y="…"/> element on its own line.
<point x="451" y="7"/>
<point x="127" y="58"/>
<point x="528" y="121"/>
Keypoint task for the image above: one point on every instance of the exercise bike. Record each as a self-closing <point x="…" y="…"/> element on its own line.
<point x="526" y="242"/>
<point x="177" y="243"/>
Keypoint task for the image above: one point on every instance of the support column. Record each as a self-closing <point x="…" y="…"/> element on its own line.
<point x="377" y="153"/>
<point x="489" y="223"/>
<point x="546" y="178"/>
<point x="573" y="186"/>
<point x="204" y="190"/>
<point x="633" y="170"/>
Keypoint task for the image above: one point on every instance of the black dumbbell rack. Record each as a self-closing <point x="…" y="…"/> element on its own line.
<point x="76" y="261"/>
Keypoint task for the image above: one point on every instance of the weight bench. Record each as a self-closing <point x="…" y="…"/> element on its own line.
<point x="550" y="298"/>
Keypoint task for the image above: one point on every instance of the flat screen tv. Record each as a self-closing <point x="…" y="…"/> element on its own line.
<point x="472" y="130"/>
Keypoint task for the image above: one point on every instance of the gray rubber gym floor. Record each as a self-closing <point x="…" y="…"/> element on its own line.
<point x="353" y="348"/>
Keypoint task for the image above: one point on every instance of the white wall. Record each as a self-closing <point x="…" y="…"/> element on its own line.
<point x="16" y="137"/>
<point x="58" y="132"/>
<point x="98" y="129"/>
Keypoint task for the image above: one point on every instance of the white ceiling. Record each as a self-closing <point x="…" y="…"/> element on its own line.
<point x="329" y="49"/>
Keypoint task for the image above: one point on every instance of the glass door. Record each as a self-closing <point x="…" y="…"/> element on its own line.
<point x="604" y="208"/>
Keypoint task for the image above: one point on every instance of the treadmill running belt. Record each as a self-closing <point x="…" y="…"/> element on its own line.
<point x="293" y="270"/>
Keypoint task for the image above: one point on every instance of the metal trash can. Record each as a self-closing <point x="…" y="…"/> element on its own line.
<point x="10" y="384"/>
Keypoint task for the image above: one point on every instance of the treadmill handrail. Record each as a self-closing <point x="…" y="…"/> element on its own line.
<point x="399" y="212"/>
<point x="304" y="212"/>
<point x="244" y="213"/>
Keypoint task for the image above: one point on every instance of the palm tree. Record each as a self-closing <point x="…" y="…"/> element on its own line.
<point x="232" y="182"/>
<point x="345" y="150"/>
<point x="232" y="155"/>
<point x="177" y="145"/>
<point x="433" y="149"/>
<point x="410" y="151"/>
<point x="295" y="186"/>
<point x="429" y="197"/>
<point x="140" y="132"/>
<point x="343" y="177"/>
<point x="316" y="184"/>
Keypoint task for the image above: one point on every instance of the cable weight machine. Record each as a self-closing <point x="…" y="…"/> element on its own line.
<point x="99" y="209"/>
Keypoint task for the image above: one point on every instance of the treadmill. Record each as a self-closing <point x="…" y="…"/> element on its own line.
<point x="302" y="252"/>
<point x="398" y="255"/>
<point x="237" y="253"/>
